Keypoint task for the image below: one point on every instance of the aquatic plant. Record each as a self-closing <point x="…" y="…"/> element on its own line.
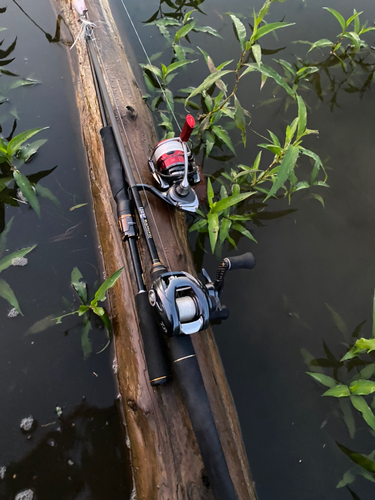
<point x="13" y="259"/>
<point x="15" y="154"/>
<point x="88" y="307"/>
<point x="219" y="110"/>
<point x="355" y="42"/>
<point x="352" y="391"/>
<point x="218" y="220"/>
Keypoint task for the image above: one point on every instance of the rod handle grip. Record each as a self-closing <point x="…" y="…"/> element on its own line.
<point x="187" y="128"/>
<point x="154" y="346"/>
<point x="244" y="261"/>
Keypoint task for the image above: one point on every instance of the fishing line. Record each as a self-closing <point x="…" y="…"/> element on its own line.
<point x="131" y="151"/>
<point x="149" y="61"/>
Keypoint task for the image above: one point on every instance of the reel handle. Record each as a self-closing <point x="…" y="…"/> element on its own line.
<point x="187" y="128"/>
<point x="244" y="261"/>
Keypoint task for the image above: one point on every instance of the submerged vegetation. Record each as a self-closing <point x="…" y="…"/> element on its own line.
<point x="219" y="110"/>
<point x="353" y="384"/>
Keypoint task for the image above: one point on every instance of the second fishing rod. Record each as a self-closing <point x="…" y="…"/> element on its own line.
<point x="183" y="305"/>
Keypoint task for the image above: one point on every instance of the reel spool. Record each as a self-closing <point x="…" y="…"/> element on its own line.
<point x="171" y="158"/>
<point x="184" y="305"/>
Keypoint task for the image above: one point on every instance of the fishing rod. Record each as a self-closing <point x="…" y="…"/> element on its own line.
<point x="182" y="304"/>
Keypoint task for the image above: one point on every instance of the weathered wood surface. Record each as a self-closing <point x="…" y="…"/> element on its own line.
<point x="165" y="456"/>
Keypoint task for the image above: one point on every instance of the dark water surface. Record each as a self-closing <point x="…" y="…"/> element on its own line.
<point x="305" y="260"/>
<point x="81" y="454"/>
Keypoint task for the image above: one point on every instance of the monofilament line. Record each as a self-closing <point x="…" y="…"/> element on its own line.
<point x="149" y="62"/>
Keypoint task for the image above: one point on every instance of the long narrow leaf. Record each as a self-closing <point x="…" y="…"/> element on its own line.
<point x="17" y="141"/>
<point x="338" y="16"/>
<point x="240" y="30"/>
<point x="225" y="203"/>
<point x="268" y="28"/>
<point x="7" y="261"/>
<point x="210" y="80"/>
<point x="358" y="459"/>
<point x="213" y="229"/>
<point x="7" y="293"/>
<point x="109" y="283"/>
<point x="286" y="167"/>
<point x="24" y="184"/>
<point x="184" y="31"/>
<point x="302" y="116"/>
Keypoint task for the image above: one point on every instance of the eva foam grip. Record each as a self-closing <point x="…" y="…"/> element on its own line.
<point x="114" y="169"/>
<point x="154" y="345"/>
<point x="198" y="406"/>
<point x="244" y="261"/>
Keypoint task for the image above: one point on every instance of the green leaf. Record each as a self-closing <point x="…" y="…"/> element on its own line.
<point x="323" y="379"/>
<point x="184" y="31"/>
<point x="210" y="80"/>
<point x="360" y="404"/>
<point x="225" y="226"/>
<point x="339" y="391"/>
<point x="358" y="459"/>
<point x="213" y="229"/>
<point x="23" y="83"/>
<point x="59" y="318"/>
<point x="225" y="203"/>
<point x="207" y="29"/>
<point x="223" y="136"/>
<point x="85" y="341"/>
<point x="7" y="261"/>
<point x="99" y="311"/>
<point x="17" y="141"/>
<point x="362" y="387"/>
<point x="239" y="227"/>
<point x="302" y="116"/>
<point x="240" y="30"/>
<point x="324" y="42"/>
<point x="79" y="286"/>
<point x="286" y="167"/>
<point x="353" y="17"/>
<point x="24" y="184"/>
<point x="178" y="64"/>
<point x="3" y="236"/>
<point x="210" y="142"/>
<point x="373" y="315"/>
<point x="354" y="38"/>
<point x="270" y="72"/>
<point x="257" y="53"/>
<point x="268" y="28"/>
<point x="7" y="293"/>
<point x="239" y="119"/>
<point x="109" y="283"/>
<point x="210" y="193"/>
<point x="28" y="151"/>
<point x="197" y="226"/>
<point x="338" y="16"/>
<point x="82" y="310"/>
<point x="156" y="71"/>
<point x="361" y="346"/>
<point x="107" y="324"/>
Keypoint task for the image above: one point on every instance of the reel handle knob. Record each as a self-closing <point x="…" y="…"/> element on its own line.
<point x="187" y="128"/>
<point x="244" y="261"/>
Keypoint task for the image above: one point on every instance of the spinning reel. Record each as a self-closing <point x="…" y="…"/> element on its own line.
<point x="184" y="305"/>
<point x="174" y="169"/>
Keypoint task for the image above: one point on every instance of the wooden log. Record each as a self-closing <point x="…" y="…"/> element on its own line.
<point x="165" y="457"/>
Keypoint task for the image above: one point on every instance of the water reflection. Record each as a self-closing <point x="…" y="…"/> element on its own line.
<point x="56" y="38"/>
<point x="177" y="7"/>
<point x="81" y="457"/>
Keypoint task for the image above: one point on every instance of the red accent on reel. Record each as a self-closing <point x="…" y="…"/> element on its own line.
<point x="170" y="159"/>
<point x="187" y="129"/>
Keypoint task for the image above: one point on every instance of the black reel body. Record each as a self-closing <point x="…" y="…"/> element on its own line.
<point x="184" y="305"/>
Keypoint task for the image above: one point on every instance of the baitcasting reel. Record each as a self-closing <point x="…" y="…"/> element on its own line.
<point x="184" y="305"/>
<point x="174" y="169"/>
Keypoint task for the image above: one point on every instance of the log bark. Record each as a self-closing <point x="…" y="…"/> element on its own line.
<point x="165" y="457"/>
